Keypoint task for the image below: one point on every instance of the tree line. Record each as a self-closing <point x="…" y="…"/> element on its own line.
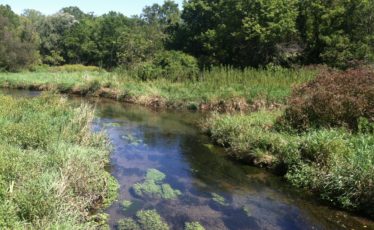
<point x="204" y="33"/>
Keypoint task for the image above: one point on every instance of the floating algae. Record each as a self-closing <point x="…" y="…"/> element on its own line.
<point x="132" y="140"/>
<point x="219" y="199"/>
<point x="247" y="211"/>
<point x="112" y="124"/>
<point x="146" y="220"/>
<point x="126" y="204"/>
<point x="153" y="186"/>
<point x="193" y="226"/>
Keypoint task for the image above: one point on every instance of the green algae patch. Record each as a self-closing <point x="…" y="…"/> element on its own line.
<point x="132" y="140"/>
<point x="154" y="187"/>
<point x="113" y="124"/>
<point x="219" y="199"/>
<point x="193" y="226"/>
<point x="145" y="219"/>
<point x="247" y="211"/>
<point x="126" y="204"/>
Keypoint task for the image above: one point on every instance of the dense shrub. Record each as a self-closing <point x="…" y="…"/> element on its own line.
<point x="333" y="99"/>
<point x="173" y="65"/>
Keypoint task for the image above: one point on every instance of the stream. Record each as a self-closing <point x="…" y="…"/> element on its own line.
<point x="213" y="190"/>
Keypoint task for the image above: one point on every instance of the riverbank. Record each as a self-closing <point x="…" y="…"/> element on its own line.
<point x="52" y="167"/>
<point x="322" y="141"/>
<point x="335" y="164"/>
<point x="221" y="89"/>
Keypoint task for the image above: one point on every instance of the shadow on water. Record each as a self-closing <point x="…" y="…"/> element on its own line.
<point x="218" y="193"/>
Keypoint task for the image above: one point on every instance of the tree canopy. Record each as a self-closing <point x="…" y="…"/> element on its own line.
<point x="238" y="33"/>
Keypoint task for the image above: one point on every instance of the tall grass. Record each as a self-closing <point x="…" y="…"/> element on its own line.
<point x="215" y="86"/>
<point x="334" y="163"/>
<point x="51" y="166"/>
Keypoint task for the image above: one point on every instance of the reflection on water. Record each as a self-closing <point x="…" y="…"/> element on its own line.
<point x="171" y="143"/>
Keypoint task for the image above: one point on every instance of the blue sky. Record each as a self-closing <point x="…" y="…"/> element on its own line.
<point x="127" y="7"/>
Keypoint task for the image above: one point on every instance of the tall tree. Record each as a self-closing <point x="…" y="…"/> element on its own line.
<point x="51" y="31"/>
<point x="337" y="32"/>
<point x="237" y="32"/>
<point x="18" y="41"/>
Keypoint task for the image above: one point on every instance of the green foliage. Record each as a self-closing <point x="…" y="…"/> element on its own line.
<point x="139" y="44"/>
<point x="239" y="33"/>
<point x="51" y="30"/>
<point x="153" y="186"/>
<point x="51" y="165"/>
<point x="193" y="226"/>
<point x="172" y="65"/>
<point x="338" y="33"/>
<point x="18" y="46"/>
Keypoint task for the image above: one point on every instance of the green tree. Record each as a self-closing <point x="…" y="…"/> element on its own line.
<point x="237" y="32"/>
<point x="18" y="41"/>
<point x="107" y="37"/>
<point x="337" y="32"/>
<point x="140" y="44"/>
<point x="51" y="31"/>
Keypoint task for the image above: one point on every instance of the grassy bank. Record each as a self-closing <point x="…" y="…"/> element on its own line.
<point x="336" y="164"/>
<point x="322" y="140"/>
<point x="219" y="89"/>
<point x="52" y="172"/>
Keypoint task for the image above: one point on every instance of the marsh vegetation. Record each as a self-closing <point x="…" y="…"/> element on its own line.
<point x="51" y="165"/>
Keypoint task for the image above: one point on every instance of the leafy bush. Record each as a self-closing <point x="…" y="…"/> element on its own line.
<point x="173" y="65"/>
<point x="334" y="99"/>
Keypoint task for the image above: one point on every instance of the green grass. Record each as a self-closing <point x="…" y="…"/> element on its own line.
<point x="334" y="163"/>
<point x="51" y="165"/>
<point x="219" y="85"/>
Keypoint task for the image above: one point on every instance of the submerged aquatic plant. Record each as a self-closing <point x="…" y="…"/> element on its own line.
<point x="131" y="139"/>
<point x="247" y="211"/>
<point x="219" y="199"/>
<point x="126" y="204"/>
<point x="112" y="124"/>
<point x="146" y="220"/>
<point x="128" y="224"/>
<point x="153" y="186"/>
<point x="193" y="226"/>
